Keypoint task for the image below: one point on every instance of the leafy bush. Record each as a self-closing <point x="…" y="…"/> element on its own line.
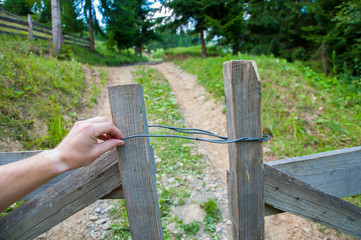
<point x="158" y="53"/>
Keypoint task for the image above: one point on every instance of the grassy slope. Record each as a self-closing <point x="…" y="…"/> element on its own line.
<point x="36" y="90"/>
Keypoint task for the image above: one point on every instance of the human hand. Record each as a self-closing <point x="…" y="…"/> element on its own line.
<point x="81" y="146"/>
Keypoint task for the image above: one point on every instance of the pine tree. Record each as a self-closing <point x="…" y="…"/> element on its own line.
<point x="186" y="12"/>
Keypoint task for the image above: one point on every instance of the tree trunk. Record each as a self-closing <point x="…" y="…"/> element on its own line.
<point x="323" y="58"/>
<point x="56" y="25"/>
<point x="30" y="25"/>
<point x="91" y="29"/>
<point x="204" y="50"/>
<point x="235" y="49"/>
<point x="219" y="47"/>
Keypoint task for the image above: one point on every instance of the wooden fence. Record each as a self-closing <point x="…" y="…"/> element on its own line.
<point x="11" y="24"/>
<point x="309" y="186"/>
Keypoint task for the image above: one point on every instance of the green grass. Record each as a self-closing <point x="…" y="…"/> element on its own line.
<point x="194" y="51"/>
<point x="35" y="90"/>
<point x="40" y="92"/>
<point x="213" y="216"/>
<point x="101" y="56"/>
<point x="303" y="111"/>
<point x="177" y="158"/>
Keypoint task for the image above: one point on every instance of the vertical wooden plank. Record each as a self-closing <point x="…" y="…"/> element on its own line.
<point x="30" y="24"/>
<point x="243" y="103"/>
<point x="136" y="163"/>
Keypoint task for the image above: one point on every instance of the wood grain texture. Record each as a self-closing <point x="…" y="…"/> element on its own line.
<point x="136" y="162"/>
<point x="30" y="28"/>
<point x="243" y="104"/>
<point x="289" y="194"/>
<point x="336" y="173"/>
<point x="63" y="199"/>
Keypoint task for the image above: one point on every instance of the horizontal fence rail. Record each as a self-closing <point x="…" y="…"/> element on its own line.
<point x="63" y="199"/>
<point x="11" y="24"/>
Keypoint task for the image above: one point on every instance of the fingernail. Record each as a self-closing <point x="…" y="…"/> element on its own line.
<point x="121" y="142"/>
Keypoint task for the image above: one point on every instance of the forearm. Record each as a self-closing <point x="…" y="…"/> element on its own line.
<point x="22" y="177"/>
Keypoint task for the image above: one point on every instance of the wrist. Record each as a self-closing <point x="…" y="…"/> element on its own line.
<point x="56" y="161"/>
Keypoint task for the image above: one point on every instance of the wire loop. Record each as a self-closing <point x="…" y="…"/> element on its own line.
<point x="221" y="140"/>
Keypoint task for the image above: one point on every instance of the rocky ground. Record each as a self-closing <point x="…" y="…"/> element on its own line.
<point x="200" y="111"/>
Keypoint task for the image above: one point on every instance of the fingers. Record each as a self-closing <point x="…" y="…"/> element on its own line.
<point x="108" y="145"/>
<point x="108" y="129"/>
<point x="97" y="120"/>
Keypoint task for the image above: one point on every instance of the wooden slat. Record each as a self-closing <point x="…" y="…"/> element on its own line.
<point x="335" y="172"/>
<point x="63" y="199"/>
<point x="17" y="21"/>
<point x="136" y="163"/>
<point x="13" y="27"/>
<point x="289" y="194"/>
<point x="243" y="103"/>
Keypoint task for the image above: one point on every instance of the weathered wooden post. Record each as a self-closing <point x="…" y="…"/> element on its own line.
<point x="30" y="24"/>
<point x="136" y="162"/>
<point x="243" y="103"/>
<point x="56" y="25"/>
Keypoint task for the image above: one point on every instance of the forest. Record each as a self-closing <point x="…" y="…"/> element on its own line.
<point x="326" y="34"/>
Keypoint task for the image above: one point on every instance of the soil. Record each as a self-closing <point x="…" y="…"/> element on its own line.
<point x="200" y="111"/>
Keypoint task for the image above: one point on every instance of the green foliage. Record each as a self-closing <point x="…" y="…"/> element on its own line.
<point x="128" y="23"/>
<point x="188" y="12"/>
<point x="101" y="56"/>
<point x="192" y="228"/>
<point x="120" y="229"/>
<point x="158" y="53"/>
<point x="70" y="21"/>
<point x="300" y="108"/>
<point x="34" y="88"/>
<point x="168" y="39"/>
<point x="12" y="207"/>
<point x="212" y="210"/>
<point x="181" y="52"/>
<point x="226" y="22"/>
<point x="18" y="7"/>
<point x="57" y="128"/>
<point x="213" y="215"/>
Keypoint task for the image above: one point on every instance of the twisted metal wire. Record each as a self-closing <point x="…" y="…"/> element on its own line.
<point x="221" y="140"/>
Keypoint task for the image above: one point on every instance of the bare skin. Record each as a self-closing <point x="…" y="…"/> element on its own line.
<point x="78" y="149"/>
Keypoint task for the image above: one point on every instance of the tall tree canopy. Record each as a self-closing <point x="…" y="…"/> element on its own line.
<point x="19" y="7"/>
<point x="128" y="23"/>
<point x="186" y="12"/>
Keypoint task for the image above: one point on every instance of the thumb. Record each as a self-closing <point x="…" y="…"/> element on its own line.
<point x="109" y="145"/>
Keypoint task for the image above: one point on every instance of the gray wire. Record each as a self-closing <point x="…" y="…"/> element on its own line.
<point x="222" y="140"/>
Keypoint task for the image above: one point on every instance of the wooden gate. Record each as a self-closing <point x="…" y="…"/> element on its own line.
<point x="309" y="186"/>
